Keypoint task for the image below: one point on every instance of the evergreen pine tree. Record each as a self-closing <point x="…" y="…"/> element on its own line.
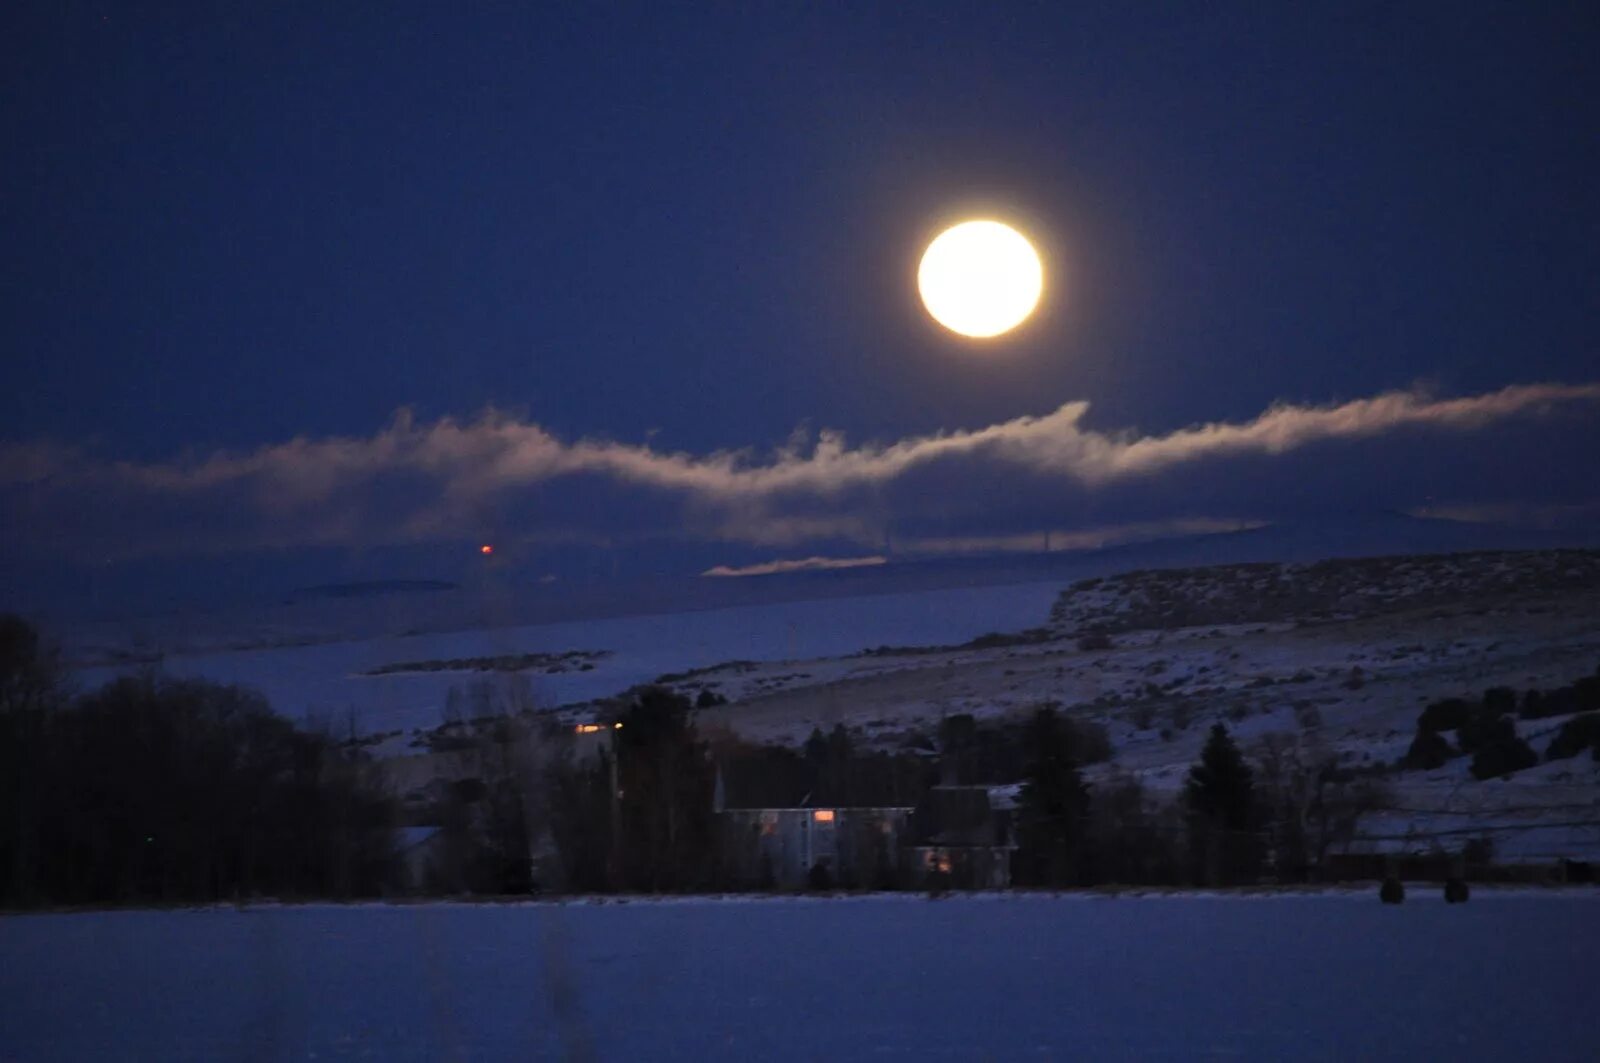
<point x="1220" y="795"/>
<point x="1221" y="786"/>
<point x="665" y="779"/>
<point x="1054" y="805"/>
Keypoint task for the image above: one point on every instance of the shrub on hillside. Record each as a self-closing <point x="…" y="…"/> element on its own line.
<point x="1478" y="852"/>
<point x="1429" y="750"/>
<point x="1446" y="715"/>
<point x="1581" y="696"/>
<point x="1576" y="735"/>
<point x="1586" y="692"/>
<point x="1500" y="701"/>
<point x="1091" y="741"/>
<point x="1500" y="751"/>
<point x="1484" y="725"/>
<point x="1094" y="640"/>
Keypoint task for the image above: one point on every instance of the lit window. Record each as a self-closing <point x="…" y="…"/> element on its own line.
<point x="823" y="815"/>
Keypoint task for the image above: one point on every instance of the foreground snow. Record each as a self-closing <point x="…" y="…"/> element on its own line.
<point x="1008" y="977"/>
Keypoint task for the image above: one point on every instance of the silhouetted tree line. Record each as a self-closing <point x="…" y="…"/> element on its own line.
<point x="1234" y="822"/>
<point x="827" y="770"/>
<point x="638" y="816"/>
<point x="488" y="818"/>
<point x="1577" y="734"/>
<point x="153" y="789"/>
<point x="991" y="752"/>
<point x="1486" y="730"/>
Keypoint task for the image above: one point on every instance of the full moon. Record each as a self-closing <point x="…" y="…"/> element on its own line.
<point x="980" y="278"/>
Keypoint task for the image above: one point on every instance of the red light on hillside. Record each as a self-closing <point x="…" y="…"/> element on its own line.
<point x="486" y="549"/>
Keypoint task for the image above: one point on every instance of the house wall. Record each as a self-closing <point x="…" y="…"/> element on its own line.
<point x="961" y="867"/>
<point x="417" y="862"/>
<point x="778" y="847"/>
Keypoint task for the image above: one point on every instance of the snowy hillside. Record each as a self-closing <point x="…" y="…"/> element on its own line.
<point x="335" y="680"/>
<point x="1342" y="589"/>
<point x="1339" y="655"/>
<point x="164" y="613"/>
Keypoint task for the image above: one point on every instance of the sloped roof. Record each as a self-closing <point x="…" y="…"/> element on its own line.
<point x="411" y="837"/>
<point x="777" y="783"/>
<point x="955" y="815"/>
<point x="760" y="784"/>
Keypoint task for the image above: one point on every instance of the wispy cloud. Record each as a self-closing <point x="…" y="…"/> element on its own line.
<point x="1516" y="514"/>
<point x="800" y="564"/>
<point x="415" y="482"/>
<point x="1053" y="539"/>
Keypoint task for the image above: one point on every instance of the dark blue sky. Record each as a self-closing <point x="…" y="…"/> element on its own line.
<point x="699" y="229"/>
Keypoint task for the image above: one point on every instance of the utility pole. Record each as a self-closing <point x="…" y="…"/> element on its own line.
<point x="616" y="816"/>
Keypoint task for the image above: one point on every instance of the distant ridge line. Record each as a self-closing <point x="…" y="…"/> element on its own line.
<point x="367" y="588"/>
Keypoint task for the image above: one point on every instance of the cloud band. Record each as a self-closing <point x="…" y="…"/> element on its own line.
<point x="416" y="482"/>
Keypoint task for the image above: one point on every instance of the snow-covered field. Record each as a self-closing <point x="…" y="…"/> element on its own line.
<point x="325" y="680"/>
<point x="1337" y="976"/>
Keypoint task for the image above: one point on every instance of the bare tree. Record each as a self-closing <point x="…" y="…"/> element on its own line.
<point x="1311" y="803"/>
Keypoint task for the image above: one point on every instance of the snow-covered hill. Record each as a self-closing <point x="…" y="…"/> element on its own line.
<point x="164" y="613"/>
<point x="1338" y="653"/>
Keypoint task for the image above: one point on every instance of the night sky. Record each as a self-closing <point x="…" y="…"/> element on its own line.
<point x="682" y="234"/>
